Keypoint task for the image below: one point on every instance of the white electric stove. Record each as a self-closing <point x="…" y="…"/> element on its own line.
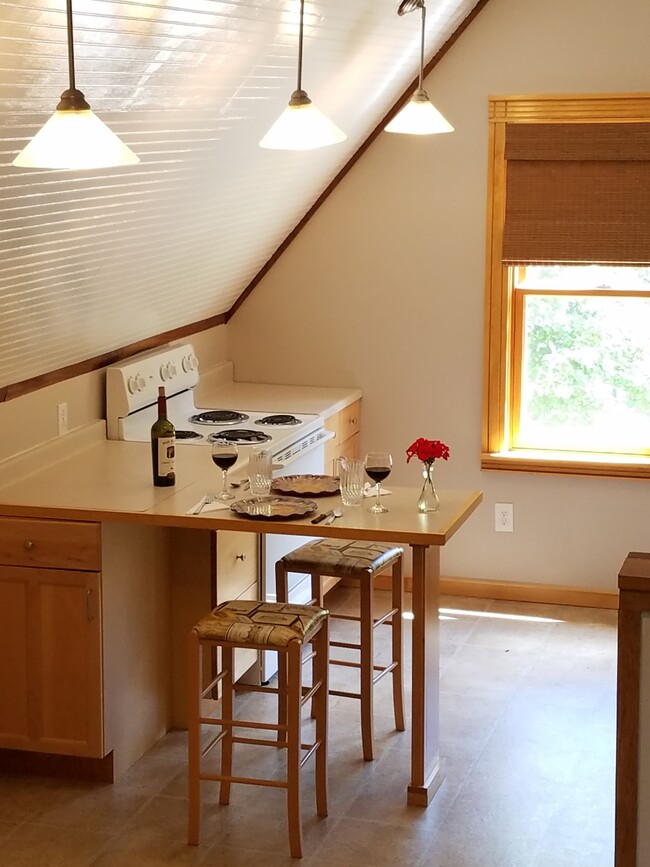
<point x="296" y="440"/>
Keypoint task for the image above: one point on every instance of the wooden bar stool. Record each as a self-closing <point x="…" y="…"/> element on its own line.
<point x="363" y="561"/>
<point x="264" y="626"/>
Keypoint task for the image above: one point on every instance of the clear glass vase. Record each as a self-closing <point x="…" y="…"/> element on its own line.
<point x="428" y="501"/>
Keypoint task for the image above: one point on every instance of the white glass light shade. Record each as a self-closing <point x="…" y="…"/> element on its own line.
<point x="419" y="117"/>
<point x="75" y="140"/>
<point x="302" y="127"/>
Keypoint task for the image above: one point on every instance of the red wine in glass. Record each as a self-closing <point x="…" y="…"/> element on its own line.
<point x="378" y="474"/>
<point x="224" y="455"/>
<point x="378" y="466"/>
<point x="225" y="461"/>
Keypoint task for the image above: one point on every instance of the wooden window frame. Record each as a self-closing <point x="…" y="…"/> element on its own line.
<point x="501" y="365"/>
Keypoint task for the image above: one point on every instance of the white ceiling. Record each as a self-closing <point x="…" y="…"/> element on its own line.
<point x="92" y="261"/>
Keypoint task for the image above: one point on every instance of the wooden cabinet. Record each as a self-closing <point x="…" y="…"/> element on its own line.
<point x="238" y="578"/>
<point x="346" y="426"/>
<point x="207" y="568"/>
<point x="50" y="637"/>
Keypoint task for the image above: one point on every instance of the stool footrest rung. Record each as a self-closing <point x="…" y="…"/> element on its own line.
<point x="247" y="781"/>
<point x="308" y="692"/>
<point x="349" y="644"/>
<point x="345" y="663"/>
<point x="345" y="694"/>
<point x="212" y="744"/>
<point x="260" y="742"/>
<point x="217" y="680"/>
<point x="240" y="723"/>
<point x="388" y="615"/>
<point x="383" y="669"/>
<point x="311" y="749"/>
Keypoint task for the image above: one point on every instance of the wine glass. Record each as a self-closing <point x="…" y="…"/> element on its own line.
<point x="378" y="466"/>
<point x="225" y="455"/>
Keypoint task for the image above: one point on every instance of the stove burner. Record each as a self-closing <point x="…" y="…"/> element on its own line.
<point x="218" y="416"/>
<point x="188" y="435"/>
<point x="279" y="419"/>
<point x="244" y="436"/>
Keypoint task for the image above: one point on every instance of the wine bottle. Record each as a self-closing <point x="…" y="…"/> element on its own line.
<point x="163" y="445"/>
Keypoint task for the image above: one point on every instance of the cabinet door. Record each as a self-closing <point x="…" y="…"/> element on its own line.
<point x="50" y="661"/>
<point x="346" y="426"/>
<point x="237" y="564"/>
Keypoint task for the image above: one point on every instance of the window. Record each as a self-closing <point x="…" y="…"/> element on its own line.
<point x="567" y="372"/>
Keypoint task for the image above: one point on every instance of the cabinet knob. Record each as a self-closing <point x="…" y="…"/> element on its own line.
<point x="353" y="421"/>
<point x="241" y="557"/>
<point x="28" y="544"/>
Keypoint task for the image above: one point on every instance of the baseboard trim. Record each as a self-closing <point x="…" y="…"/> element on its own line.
<point x="51" y="765"/>
<point x="550" y="594"/>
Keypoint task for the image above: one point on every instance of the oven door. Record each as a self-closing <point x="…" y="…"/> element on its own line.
<point x="274" y="547"/>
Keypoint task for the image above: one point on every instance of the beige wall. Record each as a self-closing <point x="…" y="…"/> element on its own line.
<point x="384" y="290"/>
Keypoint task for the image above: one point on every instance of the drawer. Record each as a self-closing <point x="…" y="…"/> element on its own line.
<point x="50" y="544"/>
<point x="350" y="420"/>
<point x="237" y="564"/>
<point x="344" y="424"/>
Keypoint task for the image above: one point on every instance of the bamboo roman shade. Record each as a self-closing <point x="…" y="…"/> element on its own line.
<point x="577" y="192"/>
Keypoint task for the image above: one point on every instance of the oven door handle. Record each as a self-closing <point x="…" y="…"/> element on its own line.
<point x="324" y="436"/>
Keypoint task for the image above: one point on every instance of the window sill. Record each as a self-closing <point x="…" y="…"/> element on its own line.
<point x="565" y="463"/>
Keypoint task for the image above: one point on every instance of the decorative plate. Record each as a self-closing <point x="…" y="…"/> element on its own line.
<point x="274" y="508"/>
<point x="306" y="485"/>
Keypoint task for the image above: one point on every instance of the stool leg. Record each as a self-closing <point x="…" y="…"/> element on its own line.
<point x="294" y="702"/>
<point x="367" y="664"/>
<point x="282" y="595"/>
<point x="398" y="644"/>
<point x="316" y="599"/>
<point x="321" y="673"/>
<point x="194" y="680"/>
<point x="227" y="711"/>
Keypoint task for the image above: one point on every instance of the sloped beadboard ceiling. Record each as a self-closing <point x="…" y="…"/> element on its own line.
<point x="96" y="260"/>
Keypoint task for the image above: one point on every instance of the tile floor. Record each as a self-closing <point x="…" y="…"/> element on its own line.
<point x="528" y="696"/>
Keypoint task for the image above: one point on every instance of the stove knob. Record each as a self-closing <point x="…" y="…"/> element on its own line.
<point x="171" y="370"/>
<point x="140" y="382"/>
<point x="131" y="385"/>
<point x="163" y="372"/>
<point x="185" y="363"/>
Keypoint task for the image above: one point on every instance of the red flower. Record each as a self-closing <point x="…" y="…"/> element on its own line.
<point x="427" y="451"/>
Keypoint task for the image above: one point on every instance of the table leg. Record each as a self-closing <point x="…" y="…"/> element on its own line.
<point x="426" y="770"/>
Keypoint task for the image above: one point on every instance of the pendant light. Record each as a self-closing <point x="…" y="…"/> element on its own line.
<point x="301" y="126"/>
<point x="419" y="116"/>
<point x="74" y="137"/>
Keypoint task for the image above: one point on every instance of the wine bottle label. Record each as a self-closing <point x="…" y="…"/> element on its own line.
<point x="166" y="454"/>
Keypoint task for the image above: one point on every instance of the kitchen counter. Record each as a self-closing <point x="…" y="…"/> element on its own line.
<point x="83" y="477"/>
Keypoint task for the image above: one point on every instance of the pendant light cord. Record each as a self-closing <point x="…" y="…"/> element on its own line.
<point x="300" y="38"/>
<point x="70" y="45"/>
<point x="424" y="18"/>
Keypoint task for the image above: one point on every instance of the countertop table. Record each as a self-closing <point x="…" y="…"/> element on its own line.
<point x="89" y="478"/>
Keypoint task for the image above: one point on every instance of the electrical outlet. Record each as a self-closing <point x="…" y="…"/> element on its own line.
<point x="62" y="418"/>
<point x="503" y="517"/>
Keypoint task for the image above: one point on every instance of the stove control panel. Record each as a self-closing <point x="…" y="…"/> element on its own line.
<point x="133" y="384"/>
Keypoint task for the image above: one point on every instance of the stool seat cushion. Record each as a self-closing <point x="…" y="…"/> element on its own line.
<point x="340" y="557"/>
<point x="271" y="624"/>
